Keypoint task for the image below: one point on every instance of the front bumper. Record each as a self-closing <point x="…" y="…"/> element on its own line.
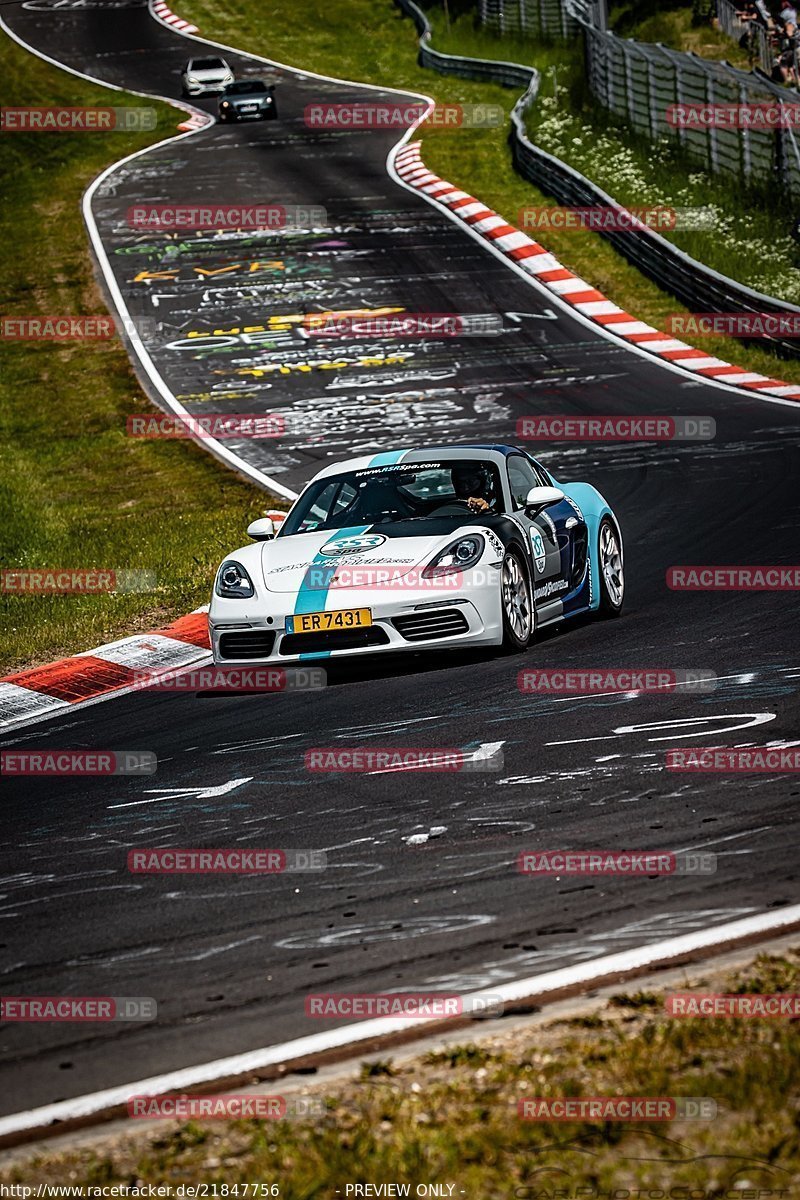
<point x="248" y="631"/>
<point x="238" y="112"/>
<point x="206" y="89"/>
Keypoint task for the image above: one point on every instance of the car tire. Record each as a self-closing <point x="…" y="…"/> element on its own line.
<point x="610" y="569"/>
<point x="516" y="599"/>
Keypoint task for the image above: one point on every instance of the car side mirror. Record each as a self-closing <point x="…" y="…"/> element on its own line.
<point x="262" y="530"/>
<point x="542" y="497"/>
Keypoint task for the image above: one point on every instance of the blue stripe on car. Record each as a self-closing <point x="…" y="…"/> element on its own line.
<point x="594" y="508"/>
<point x="387" y="458"/>
<point x="312" y="594"/>
<point x="313" y="591"/>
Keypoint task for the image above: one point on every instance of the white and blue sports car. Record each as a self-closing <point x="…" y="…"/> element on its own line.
<point x="445" y="546"/>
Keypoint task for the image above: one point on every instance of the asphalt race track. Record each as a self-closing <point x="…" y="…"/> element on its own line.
<point x="229" y="959"/>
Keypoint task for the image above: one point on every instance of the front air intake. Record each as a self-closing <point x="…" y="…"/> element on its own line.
<point x="247" y="644"/>
<point x="435" y="623"/>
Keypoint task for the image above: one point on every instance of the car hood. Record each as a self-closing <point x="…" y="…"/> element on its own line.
<point x="357" y="555"/>
<point x="209" y="76"/>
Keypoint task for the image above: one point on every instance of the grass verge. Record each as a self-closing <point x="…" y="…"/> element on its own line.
<point x="748" y="233"/>
<point x="75" y="491"/>
<point x="383" y="51"/>
<point x="451" y="1117"/>
<point x="679" y="26"/>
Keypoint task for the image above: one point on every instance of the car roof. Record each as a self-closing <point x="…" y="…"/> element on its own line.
<point x="421" y="454"/>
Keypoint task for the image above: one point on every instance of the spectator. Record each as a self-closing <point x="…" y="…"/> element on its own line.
<point x="756" y="11"/>
<point x="754" y="14"/>
<point x="785" y="68"/>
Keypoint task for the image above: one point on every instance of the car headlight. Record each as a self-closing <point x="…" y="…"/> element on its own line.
<point x="225" y="104"/>
<point x="458" y="556"/>
<point x="233" y="581"/>
<point x="192" y="79"/>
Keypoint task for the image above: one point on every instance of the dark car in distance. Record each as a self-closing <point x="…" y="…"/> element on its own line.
<point x="248" y="99"/>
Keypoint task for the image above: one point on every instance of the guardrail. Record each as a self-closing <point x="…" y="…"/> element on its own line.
<point x="507" y="74"/>
<point x="542" y="19"/>
<point x="731" y="24"/>
<point x="697" y="286"/>
<point x="765" y="44"/>
<point x="639" y="82"/>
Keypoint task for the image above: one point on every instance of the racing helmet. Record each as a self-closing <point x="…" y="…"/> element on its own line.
<point x="473" y="479"/>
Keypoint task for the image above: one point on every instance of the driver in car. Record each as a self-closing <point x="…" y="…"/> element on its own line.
<point x="472" y="483"/>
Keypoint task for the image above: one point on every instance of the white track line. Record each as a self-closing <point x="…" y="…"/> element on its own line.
<point x="540" y="288"/>
<point x="583" y="974"/>
<point x="72" y="706"/>
<point x="215" y="447"/>
<point x="555" y="300"/>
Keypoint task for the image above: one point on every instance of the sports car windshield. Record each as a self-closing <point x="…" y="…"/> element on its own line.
<point x="403" y="492"/>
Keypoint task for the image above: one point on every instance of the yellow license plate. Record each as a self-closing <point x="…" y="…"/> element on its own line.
<point x="323" y="622"/>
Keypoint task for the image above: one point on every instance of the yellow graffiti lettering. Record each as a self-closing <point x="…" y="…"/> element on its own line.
<point x="233" y="331"/>
<point x="220" y="270"/>
<point x="146" y="275"/>
<point x="323" y="365"/>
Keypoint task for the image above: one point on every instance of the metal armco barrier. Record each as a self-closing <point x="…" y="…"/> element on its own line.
<point x="542" y="19"/>
<point x="698" y="287"/>
<point x="505" y="73"/>
<point x="736" y="29"/>
<point x="761" y="41"/>
<point x="639" y="82"/>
